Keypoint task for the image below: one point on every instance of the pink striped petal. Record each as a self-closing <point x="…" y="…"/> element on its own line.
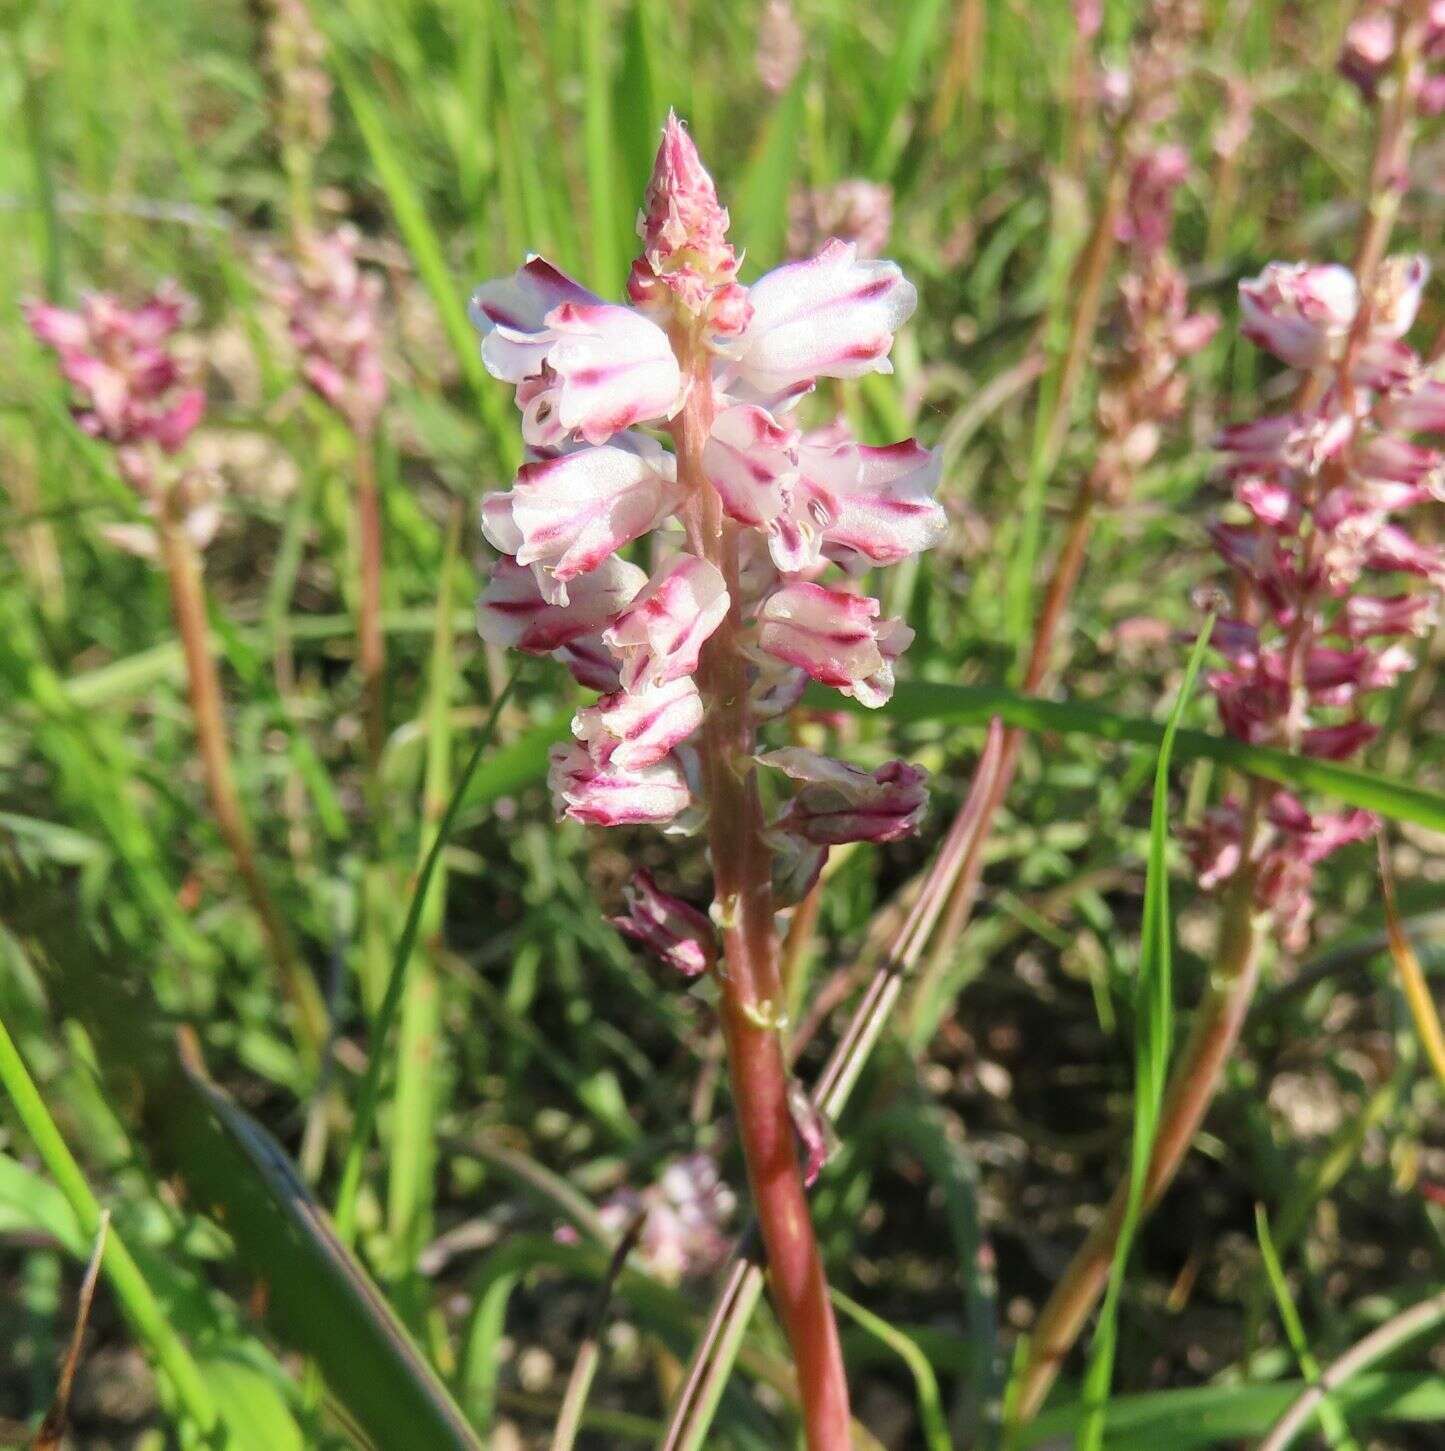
<point x="1299" y="311"/>
<point x="886" y="510"/>
<point x="56" y="327"/>
<point x="840" y="803"/>
<point x="567" y="514"/>
<point x="607" y="795"/>
<point x="632" y="731"/>
<point x="833" y="316"/>
<point x="511" y="315"/>
<point x="1364" y="616"/>
<point x="513" y="613"/>
<point x="835" y="636"/>
<point x="753" y="462"/>
<point x="592" y="664"/>
<point x="612" y="368"/>
<point x="748" y="460"/>
<point x="680" y="936"/>
<point x="659" y="635"/>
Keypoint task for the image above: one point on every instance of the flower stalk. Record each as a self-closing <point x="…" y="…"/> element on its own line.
<point x="371" y="642"/>
<point x="131" y="391"/>
<point x="762" y="531"/>
<point x="203" y="686"/>
<point x="753" y="1003"/>
<point x="332" y="310"/>
<point x="1144" y="392"/>
<point x="1318" y="486"/>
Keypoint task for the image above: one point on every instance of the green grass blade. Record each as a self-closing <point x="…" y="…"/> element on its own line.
<point x="917" y="40"/>
<point x="600" y="145"/>
<point x="369" y="1100"/>
<point x="947" y="1160"/>
<point x="1153" y="1042"/>
<point x="977" y="704"/>
<point x="318" y="1299"/>
<point x="637" y="101"/>
<point x="1224" y="1416"/>
<point x="762" y="198"/>
<point x="136" y="1300"/>
<point x="932" y="1424"/>
<point x="412" y="1156"/>
<point x="425" y="246"/>
<point x="1336" y="1432"/>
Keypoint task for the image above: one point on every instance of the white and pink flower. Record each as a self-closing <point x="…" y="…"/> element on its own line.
<point x="832" y="316"/>
<point x="677" y="934"/>
<point x="839" y="803"/>
<point x="641" y="728"/>
<point x="568" y="514"/>
<point x="584" y="368"/>
<point x="766" y="509"/>
<point x="1325" y="487"/>
<point x="514" y="613"/>
<point x="606" y="794"/>
<point x="835" y="636"/>
<point x="659" y="636"/>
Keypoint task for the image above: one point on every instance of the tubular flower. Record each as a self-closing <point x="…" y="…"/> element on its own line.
<point x="1371" y="44"/>
<point x="678" y="935"/>
<point x="1145" y="388"/>
<point x="855" y="211"/>
<point x="130" y="389"/>
<point x="686" y="1212"/>
<point x="799" y="502"/>
<point x="780" y="46"/>
<point x="1319" y="493"/>
<point x="331" y="307"/>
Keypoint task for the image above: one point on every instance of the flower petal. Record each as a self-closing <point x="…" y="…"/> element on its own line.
<point x="513" y="613"/>
<point x="659" y="635"/>
<point x="632" y="731"/>
<point x="678" y="934"/>
<point x="840" y="803"/>
<point x="568" y="514"/>
<point x="833" y="316"/>
<point x="886" y="511"/>
<point x="748" y="459"/>
<point x="835" y="636"/>
<point x="613" y="367"/>
<point x="511" y="312"/>
<point x="607" y="795"/>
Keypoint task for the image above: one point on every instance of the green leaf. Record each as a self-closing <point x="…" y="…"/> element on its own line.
<point x="762" y="204"/>
<point x="916" y="42"/>
<point x="1153" y="1042"/>
<point x="425" y="245"/>
<point x="916" y="701"/>
<point x="600" y="145"/>
<point x="1224" y="1415"/>
<point x="933" y="1425"/>
<point x="1336" y="1432"/>
<point x="30" y="1204"/>
<point x="254" y="1410"/>
<point x="369" y="1099"/>
<point x="518" y="764"/>
<point x="317" y="1298"/>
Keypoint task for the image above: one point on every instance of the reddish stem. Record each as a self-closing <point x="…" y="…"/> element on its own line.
<point x="188" y="604"/>
<point x="371" y="643"/>
<point x="752" y="1002"/>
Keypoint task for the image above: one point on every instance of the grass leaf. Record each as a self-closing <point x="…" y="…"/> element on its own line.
<point x="1153" y="1042"/>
